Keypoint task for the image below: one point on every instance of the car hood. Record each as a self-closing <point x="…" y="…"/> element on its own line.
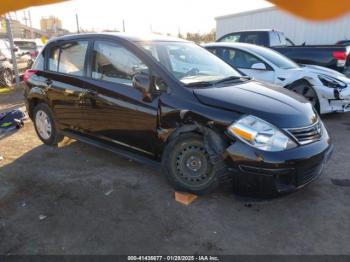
<point x="319" y="70"/>
<point x="271" y="103"/>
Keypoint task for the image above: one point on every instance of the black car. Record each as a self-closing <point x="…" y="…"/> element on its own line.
<point x="170" y="103"/>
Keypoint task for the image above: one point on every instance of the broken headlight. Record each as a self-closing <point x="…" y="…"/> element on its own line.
<point x="331" y="81"/>
<point x="260" y="134"/>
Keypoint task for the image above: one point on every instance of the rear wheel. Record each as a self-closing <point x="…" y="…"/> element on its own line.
<point x="6" y="78"/>
<point x="305" y="89"/>
<point x="187" y="165"/>
<point x="45" y="125"/>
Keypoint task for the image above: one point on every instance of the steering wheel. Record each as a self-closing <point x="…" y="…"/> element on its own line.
<point x="193" y="72"/>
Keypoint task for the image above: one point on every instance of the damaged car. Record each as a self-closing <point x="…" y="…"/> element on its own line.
<point x="326" y="89"/>
<point x="172" y="104"/>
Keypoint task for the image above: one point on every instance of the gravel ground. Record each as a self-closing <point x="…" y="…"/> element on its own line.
<point x="77" y="199"/>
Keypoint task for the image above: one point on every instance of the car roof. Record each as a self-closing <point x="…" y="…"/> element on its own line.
<point x="246" y="46"/>
<point x="125" y="36"/>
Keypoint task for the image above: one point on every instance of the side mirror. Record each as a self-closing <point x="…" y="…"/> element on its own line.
<point x="142" y="82"/>
<point x="258" y="66"/>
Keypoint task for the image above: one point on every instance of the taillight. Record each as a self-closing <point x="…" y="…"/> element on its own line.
<point x="28" y="73"/>
<point x="34" y="54"/>
<point x="339" y="55"/>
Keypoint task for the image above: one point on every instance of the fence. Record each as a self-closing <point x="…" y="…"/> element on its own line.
<point x="14" y="60"/>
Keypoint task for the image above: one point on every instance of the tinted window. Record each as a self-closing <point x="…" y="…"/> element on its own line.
<point x="114" y="63"/>
<point x="255" y="38"/>
<point x="72" y="58"/>
<point x="274" y="57"/>
<point x="53" y="58"/>
<point x="238" y="58"/>
<point x="231" y="38"/>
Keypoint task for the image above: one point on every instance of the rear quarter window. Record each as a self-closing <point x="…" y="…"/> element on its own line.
<point x="39" y="62"/>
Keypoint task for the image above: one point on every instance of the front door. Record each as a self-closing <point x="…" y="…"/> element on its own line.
<point x="113" y="109"/>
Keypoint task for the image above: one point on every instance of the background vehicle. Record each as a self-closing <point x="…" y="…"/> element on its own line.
<point x="167" y="100"/>
<point x="343" y="42"/>
<point x="24" y="61"/>
<point x="27" y="45"/>
<point x="332" y="56"/>
<point x="326" y="89"/>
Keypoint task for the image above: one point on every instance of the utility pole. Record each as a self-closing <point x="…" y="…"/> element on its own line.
<point x="12" y="47"/>
<point x="123" y="26"/>
<point x="31" y="25"/>
<point x="77" y="20"/>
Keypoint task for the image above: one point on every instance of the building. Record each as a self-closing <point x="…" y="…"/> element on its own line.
<point x="20" y="30"/>
<point x="295" y="28"/>
<point x="52" y="26"/>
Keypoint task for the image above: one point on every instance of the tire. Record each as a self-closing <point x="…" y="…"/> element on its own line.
<point x="6" y="78"/>
<point x="45" y="126"/>
<point x="305" y="89"/>
<point x="187" y="165"/>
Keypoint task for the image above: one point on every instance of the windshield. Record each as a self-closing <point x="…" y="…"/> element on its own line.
<point x="276" y="58"/>
<point x="189" y="62"/>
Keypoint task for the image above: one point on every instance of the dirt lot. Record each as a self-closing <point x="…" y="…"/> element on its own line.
<point x="77" y="199"/>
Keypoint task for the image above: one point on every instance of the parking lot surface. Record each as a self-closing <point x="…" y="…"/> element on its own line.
<point x="78" y="199"/>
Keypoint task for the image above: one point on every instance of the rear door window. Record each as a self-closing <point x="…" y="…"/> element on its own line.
<point x="68" y="58"/>
<point x="72" y="58"/>
<point x="236" y="37"/>
<point x="255" y="38"/>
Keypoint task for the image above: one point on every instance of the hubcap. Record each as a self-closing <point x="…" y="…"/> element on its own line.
<point x="43" y="124"/>
<point x="192" y="166"/>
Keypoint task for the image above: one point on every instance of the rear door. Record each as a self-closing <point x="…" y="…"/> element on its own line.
<point x="113" y="109"/>
<point x="247" y="63"/>
<point x="64" y="81"/>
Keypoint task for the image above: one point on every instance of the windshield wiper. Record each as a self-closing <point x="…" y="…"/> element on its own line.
<point x="231" y="78"/>
<point x="199" y="84"/>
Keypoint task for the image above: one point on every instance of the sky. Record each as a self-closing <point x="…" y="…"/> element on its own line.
<point x="142" y="16"/>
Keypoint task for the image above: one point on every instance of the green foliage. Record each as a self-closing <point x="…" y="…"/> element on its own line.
<point x="200" y="38"/>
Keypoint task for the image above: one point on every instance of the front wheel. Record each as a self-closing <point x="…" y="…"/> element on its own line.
<point x="187" y="165"/>
<point x="306" y="90"/>
<point x="45" y="125"/>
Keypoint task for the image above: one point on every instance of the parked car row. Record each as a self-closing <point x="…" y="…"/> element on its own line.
<point x="335" y="57"/>
<point x="171" y="103"/>
<point x="326" y="89"/>
<point x="23" y="61"/>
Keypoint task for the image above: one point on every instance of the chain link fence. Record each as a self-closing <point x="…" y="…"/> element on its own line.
<point x="16" y="57"/>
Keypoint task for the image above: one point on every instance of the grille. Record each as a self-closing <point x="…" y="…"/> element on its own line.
<point x="307" y="135"/>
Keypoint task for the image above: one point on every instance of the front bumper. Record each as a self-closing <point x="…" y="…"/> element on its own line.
<point x="277" y="172"/>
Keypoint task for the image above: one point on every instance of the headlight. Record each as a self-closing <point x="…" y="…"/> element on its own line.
<point x="331" y="81"/>
<point x="260" y="134"/>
